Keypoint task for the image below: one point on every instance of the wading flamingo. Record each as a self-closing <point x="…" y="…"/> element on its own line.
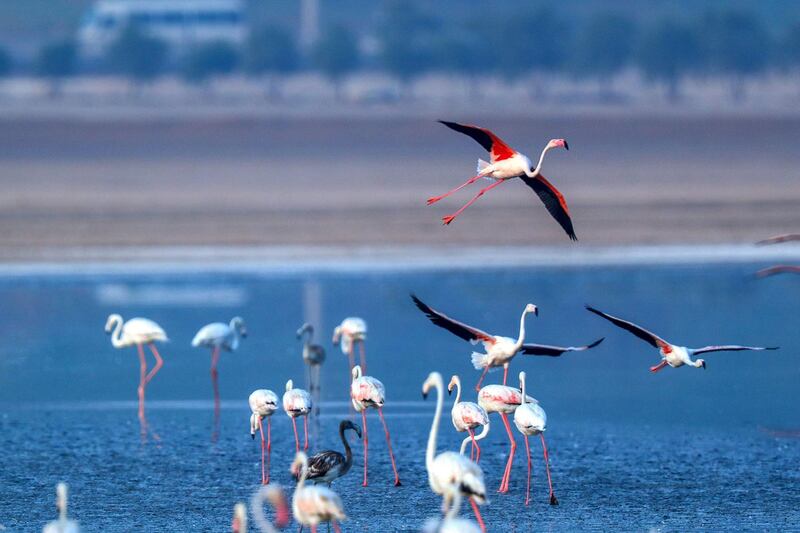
<point x="506" y="163"/>
<point x="329" y="465"/>
<point x="263" y="403"/>
<point x="63" y="524"/>
<point x="451" y="522"/>
<point x="297" y="402"/>
<point x="672" y="354"/>
<point x="499" y="350"/>
<point x="531" y="419"/>
<point x="274" y="495"/>
<point x="219" y="336"/>
<point x="352" y="331"/>
<point x="503" y="400"/>
<point x="450" y="471"/>
<point x="467" y="416"/>
<point x="138" y="332"/>
<point x="314" y="504"/>
<point x="779" y="269"/>
<point x="367" y="392"/>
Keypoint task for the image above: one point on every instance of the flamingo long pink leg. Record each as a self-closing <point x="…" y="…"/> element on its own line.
<point x="505" y="373"/>
<point x="264" y="480"/>
<point x="363" y="357"/>
<point x="472" y="444"/>
<point x="389" y="445"/>
<point x="142" y="376"/>
<point x="296" y="438"/>
<point x="434" y="199"/>
<point x="449" y="218"/>
<point x="269" y="445"/>
<point x="159" y="364"/>
<point x="553" y="499"/>
<point x="507" y="473"/>
<point x="215" y="387"/>
<point x="528" y="489"/>
<point x="336" y="526"/>
<point x="658" y="367"/>
<point x="366" y="444"/>
<point x="478" y="516"/>
<point x="305" y="432"/>
<point x="483" y="375"/>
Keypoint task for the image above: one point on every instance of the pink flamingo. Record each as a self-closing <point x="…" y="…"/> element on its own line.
<point x="352" y="331"/>
<point x="297" y="402"/>
<point x="263" y="403"/>
<point x="466" y="416"/>
<point x="138" y="332"/>
<point x="507" y="163"/>
<point x="367" y="392"/>
<point x="531" y="419"/>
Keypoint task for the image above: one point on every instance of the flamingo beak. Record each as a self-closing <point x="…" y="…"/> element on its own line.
<point x="253" y="436"/>
<point x="424" y="395"/>
<point x="704" y="365"/>
<point x="566" y="145"/>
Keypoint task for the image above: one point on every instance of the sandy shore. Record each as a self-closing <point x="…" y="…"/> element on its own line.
<point x="224" y="182"/>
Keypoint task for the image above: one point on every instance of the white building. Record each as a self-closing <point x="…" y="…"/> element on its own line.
<point x="180" y="23"/>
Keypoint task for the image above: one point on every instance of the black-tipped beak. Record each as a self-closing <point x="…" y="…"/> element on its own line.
<point x="566" y="145"/>
<point x="424" y="395"/>
<point x="449" y="392"/>
<point x="244" y="334"/>
<point x="253" y="436"/>
<point x="536" y="311"/>
<point x="704" y="365"/>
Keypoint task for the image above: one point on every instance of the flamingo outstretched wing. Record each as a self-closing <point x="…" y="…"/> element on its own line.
<point x="730" y="348"/>
<point x="778" y="269"/>
<point x="553" y="200"/>
<point x="468" y="333"/>
<point x="493" y="144"/>
<point x="787" y="237"/>
<point x="555" y="351"/>
<point x="639" y="331"/>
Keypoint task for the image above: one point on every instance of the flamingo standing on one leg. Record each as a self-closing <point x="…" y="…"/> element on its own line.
<point x="450" y="471"/>
<point x="277" y="499"/>
<point x="63" y="524"/>
<point x="219" y="336"/>
<point x="779" y="269"/>
<point x="263" y="403"/>
<point x="367" y="392"/>
<point x="503" y="400"/>
<point x="314" y="504"/>
<point x="672" y="354"/>
<point x="297" y="402"/>
<point x="352" y="331"/>
<point x="507" y="163"/>
<point x="138" y="332"/>
<point x="531" y="419"/>
<point x="467" y="416"/>
<point x="499" y="350"/>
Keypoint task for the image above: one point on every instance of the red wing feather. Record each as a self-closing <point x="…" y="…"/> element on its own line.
<point x="554" y="201"/>
<point x="493" y="144"/>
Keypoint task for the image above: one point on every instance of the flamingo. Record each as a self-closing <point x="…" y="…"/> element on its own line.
<point x="239" y="524"/>
<point x="63" y="524"/>
<point x="297" y="402"/>
<point x="503" y="400"/>
<point x="779" y="269"/>
<point x="138" y="332"/>
<point x="672" y="354"/>
<point x="451" y="522"/>
<point x="449" y="472"/>
<point x="314" y="504"/>
<point x="507" y="163"/>
<point x="467" y="416"/>
<point x="531" y="419"/>
<point x="263" y="403"/>
<point x="313" y="356"/>
<point x="499" y="350"/>
<point x="329" y="465"/>
<point x="276" y="498"/>
<point x="367" y="392"/>
<point x="352" y="330"/>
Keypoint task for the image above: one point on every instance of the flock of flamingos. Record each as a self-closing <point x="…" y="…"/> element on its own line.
<point x="452" y="475"/>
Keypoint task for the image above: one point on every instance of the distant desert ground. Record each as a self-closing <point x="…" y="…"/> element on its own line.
<point x="72" y="183"/>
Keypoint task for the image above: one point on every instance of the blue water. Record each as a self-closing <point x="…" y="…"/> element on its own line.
<point x="680" y="450"/>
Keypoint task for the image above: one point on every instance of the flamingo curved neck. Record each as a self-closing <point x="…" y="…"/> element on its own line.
<point x="458" y="393"/>
<point x="521" y="338"/>
<point x="116" y="335"/>
<point x="264" y="525"/>
<point x="431" y="450"/>
<point x="535" y="172"/>
<point x="348" y="453"/>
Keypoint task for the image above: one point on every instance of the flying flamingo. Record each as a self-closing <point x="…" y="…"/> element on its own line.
<point x="313" y="356"/>
<point x="467" y="416"/>
<point x="219" y="336"/>
<point x="276" y="498"/>
<point x="138" y="332"/>
<point x="263" y="403"/>
<point x="531" y="419"/>
<point x="507" y="163"/>
<point x="451" y="522"/>
<point x="672" y="354"/>
<point x="352" y="331"/>
<point x="314" y="504"/>
<point x="366" y="392"/>
<point x="503" y="400"/>
<point x="297" y="402"/>
<point x="63" y="524"/>
<point x="499" y="350"/>
<point x="779" y="269"/>
<point x="449" y="471"/>
<point x="330" y="465"/>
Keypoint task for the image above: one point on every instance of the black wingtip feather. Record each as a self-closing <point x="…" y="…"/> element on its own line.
<point x="595" y="343"/>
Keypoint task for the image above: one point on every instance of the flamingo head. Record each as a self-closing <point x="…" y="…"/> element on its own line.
<point x="239" y="524"/>
<point x="433" y="378"/>
<point x="453" y="382"/>
<point x="238" y="324"/>
<point x="289" y="385"/>
<point x="356" y="372"/>
<point x="253" y="425"/>
<point x="111" y="321"/>
<point x="700" y="363"/>
<point x="530" y="308"/>
<point x="305" y="328"/>
<point x="61" y="498"/>
<point x="558" y="143"/>
<point x="300" y="462"/>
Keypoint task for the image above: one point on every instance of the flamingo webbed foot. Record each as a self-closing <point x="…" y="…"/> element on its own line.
<point x="448" y="219"/>
<point x="398" y="484"/>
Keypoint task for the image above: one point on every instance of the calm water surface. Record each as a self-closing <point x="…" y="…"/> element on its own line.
<point x="683" y="449"/>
